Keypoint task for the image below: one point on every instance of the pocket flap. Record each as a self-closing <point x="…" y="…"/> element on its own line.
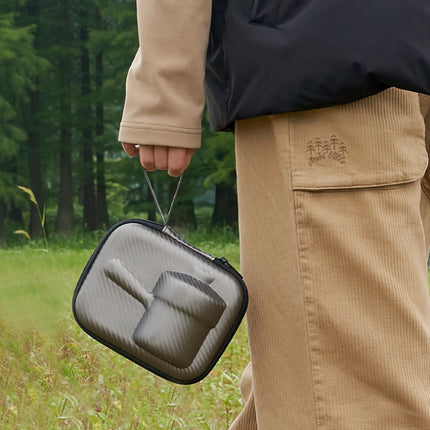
<point x="378" y="141"/>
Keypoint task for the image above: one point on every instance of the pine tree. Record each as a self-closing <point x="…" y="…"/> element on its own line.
<point x="20" y="68"/>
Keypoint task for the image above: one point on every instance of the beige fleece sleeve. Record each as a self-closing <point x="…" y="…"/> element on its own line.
<point x="164" y="90"/>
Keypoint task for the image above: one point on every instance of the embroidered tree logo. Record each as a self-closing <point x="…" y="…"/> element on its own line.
<point x="326" y="148"/>
<point x="310" y="148"/>
<point x="332" y="149"/>
<point x="342" y="149"/>
<point x="318" y="144"/>
<point x="334" y="141"/>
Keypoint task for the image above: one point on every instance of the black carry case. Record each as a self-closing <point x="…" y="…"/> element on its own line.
<point x="149" y="295"/>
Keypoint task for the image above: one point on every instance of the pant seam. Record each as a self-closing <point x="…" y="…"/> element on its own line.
<point x="314" y="350"/>
<point x="424" y="188"/>
<point x="303" y="287"/>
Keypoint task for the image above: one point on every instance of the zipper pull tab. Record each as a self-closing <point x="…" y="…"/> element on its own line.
<point x="228" y="266"/>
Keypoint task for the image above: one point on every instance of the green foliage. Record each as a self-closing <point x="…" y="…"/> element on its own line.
<point x="20" y="62"/>
<point x="45" y="116"/>
<point x="20" y="67"/>
<point x="220" y="153"/>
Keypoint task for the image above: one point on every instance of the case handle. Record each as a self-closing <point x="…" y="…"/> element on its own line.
<point x="148" y="181"/>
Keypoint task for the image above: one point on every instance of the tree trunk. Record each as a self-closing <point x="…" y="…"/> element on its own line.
<point x="151" y="212"/>
<point x="87" y="173"/>
<point x="34" y="144"/>
<point x="65" y="196"/>
<point x="183" y="216"/>
<point x="35" y="166"/>
<point x="225" y="208"/>
<point x="3" y="214"/>
<point x="102" y="210"/>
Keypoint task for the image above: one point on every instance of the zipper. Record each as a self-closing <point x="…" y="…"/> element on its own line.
<point x="223" y="262"/>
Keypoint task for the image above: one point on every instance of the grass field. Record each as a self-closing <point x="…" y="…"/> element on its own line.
<point x="53" y="376"/>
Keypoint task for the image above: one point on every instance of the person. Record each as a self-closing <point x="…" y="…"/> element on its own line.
<point x="334" y="222"/>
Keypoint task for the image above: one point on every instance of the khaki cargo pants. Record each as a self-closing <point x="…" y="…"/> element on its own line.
<point x="334" y="222"/>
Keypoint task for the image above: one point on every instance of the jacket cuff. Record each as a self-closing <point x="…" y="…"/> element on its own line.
<point x="159" y="135"/>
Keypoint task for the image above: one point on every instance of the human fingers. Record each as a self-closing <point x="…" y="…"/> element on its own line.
<point x="161" y="157"/>
<point x="178" y="160"/>
<point x="146" y="154"/>
<point x="130" y="149"/>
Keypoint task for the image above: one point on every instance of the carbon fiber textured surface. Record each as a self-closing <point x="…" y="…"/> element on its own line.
<point x="160" y="303"/>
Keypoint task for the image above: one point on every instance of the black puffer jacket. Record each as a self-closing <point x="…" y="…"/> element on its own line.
<point x="273" y="56"/>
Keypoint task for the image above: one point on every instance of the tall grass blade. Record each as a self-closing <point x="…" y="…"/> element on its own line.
<point x="42" y="222"/>
<point x="23" y="232"/>
<point x="29" y="193"/>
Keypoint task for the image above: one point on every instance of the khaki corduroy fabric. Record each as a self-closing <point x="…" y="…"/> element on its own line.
<point x="334" y="233"/>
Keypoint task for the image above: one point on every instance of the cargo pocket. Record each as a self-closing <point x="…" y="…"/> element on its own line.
<point x="355" y="171"/>
<point x="425" y="110"/>
<point x="425" y="183"/>
<point x="348" y="147"/>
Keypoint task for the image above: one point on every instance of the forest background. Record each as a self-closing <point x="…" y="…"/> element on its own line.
<point x="63" y="65"/>
<point x="62" y="86"/>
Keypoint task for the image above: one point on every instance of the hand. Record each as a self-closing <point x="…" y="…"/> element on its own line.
<point x="174" y="160"/>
